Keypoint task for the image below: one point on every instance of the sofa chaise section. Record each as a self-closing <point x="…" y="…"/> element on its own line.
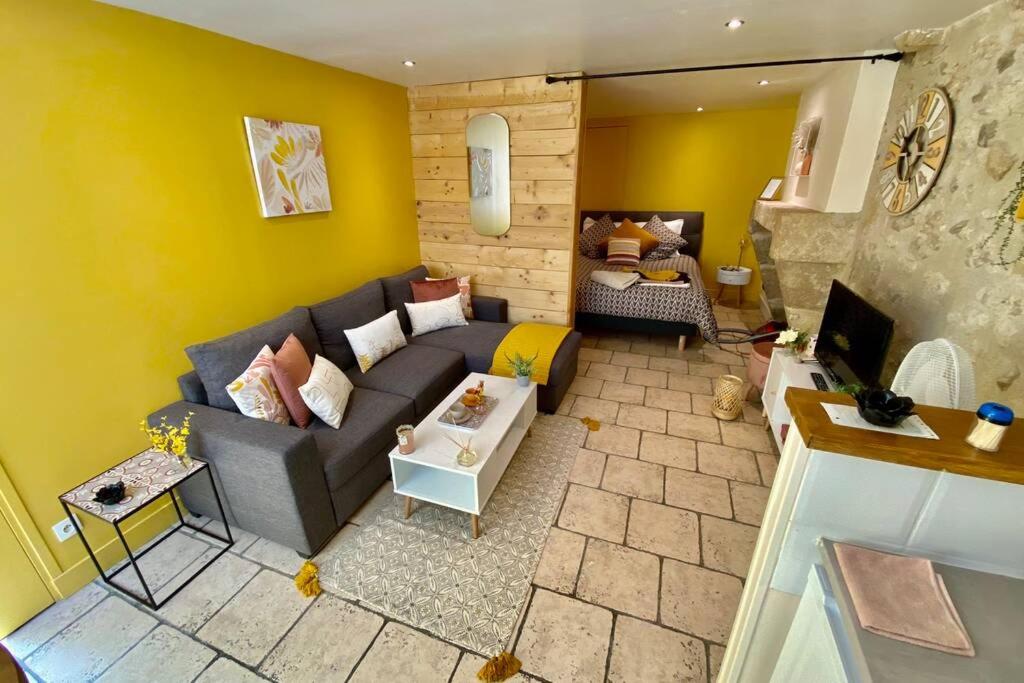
<point x="480" y="339"/>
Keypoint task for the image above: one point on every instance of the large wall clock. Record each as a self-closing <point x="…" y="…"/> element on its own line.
<point x="915" y="152"/>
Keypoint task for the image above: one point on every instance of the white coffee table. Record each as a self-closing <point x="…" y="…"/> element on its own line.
<point x="431" y="474"/>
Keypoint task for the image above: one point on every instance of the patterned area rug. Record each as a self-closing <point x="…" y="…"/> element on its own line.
<point x="428" y="571"/>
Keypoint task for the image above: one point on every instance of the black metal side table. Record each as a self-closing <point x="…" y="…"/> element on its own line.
<point x="147" y="476"/>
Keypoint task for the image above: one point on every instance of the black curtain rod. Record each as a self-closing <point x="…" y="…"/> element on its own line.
<point x="889" y="57"/>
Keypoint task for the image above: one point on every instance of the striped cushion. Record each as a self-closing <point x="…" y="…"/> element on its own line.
<point x="623" y="251"/>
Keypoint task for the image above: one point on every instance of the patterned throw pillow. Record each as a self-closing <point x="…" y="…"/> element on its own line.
<point x="623" y="251"/>
<point x="466" y="297"/>
<point x="376" y="340"/>
<point x="594" y="235"/>
<point x="436" y="315"/>
<point x="671" y="243"/>
<point x="327" y="391"/>
<point x="255" y="393"/>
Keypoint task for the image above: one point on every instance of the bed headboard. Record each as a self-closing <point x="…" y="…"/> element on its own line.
<point x="693" y="225"/>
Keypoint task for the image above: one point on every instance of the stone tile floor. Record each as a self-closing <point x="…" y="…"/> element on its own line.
<point x="639" y="580"/>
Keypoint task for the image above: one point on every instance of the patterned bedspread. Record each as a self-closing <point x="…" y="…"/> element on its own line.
<point x="651" y="301"/>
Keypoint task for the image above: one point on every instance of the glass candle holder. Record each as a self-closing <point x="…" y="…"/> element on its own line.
<point x="406" y="439"/>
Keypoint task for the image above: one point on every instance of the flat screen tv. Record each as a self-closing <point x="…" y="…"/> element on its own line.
<point x="853" y="339"/>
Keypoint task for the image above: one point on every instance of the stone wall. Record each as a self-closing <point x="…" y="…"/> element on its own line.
<point x="932" y="269"/>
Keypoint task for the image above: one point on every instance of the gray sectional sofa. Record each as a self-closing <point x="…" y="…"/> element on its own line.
<point x="298" y="486"/>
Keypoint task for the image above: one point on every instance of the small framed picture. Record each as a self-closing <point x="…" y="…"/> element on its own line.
<point x="772" y="190"/>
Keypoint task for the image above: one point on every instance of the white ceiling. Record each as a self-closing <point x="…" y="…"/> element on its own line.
<point x="459" y="40"/>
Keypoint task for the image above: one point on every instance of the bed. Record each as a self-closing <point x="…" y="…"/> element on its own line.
<point x="649" y="308"/>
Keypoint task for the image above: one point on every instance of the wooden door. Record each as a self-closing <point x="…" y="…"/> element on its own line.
<point x="23" y="593"/>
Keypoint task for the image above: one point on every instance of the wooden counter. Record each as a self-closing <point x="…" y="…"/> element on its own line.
<point x="950" y="453"/>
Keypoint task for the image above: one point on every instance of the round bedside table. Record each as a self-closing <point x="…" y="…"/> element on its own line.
<point x="736" y="276"/>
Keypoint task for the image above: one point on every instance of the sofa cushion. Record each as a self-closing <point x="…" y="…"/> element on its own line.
<point x="367" y="428"/>
<point x="332" y="317"/>
<point x="476" y="341"/>
<point x="398" y="292"/>
<point x="220" y="361"/>
<point x="422" y="373"/>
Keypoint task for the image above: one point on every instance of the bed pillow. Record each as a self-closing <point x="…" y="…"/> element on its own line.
<point x="624" y="251"/>
<point x="588" y="221"/>
<point x="675" y="226"/>
<point x="594" y="235"/>
<point x="629" y="230"/>
<point x="436" y="315"/>
<point x="670" y="243"/>
<point x="376" y="340"/>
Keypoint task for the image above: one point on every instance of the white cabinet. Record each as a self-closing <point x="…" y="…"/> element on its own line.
<point x="785" y="371"/>
<point x="813" y="649"/>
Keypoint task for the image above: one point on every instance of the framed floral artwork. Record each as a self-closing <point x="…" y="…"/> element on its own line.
<point x="288" y="162"/>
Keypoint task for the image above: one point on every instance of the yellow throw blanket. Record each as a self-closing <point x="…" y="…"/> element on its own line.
<point x="663" y="275"/>
<point x="528" y="339"/>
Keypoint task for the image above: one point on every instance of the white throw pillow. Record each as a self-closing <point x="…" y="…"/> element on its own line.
<point x="376" y="340"/>
<point x="436" y="315"/>
<point x="327" y="391"/>
<point x="587" y="222"/>
<point x="255" y="393"/>
<point x="464" y="293"/>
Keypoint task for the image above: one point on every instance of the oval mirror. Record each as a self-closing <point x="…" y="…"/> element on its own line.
<point x="487" y="151"/>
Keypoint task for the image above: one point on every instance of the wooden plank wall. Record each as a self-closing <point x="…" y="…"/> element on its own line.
<point x="530" y="265"/>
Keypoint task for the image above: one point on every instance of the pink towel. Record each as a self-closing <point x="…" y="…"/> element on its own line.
<point x="902" y="598"/>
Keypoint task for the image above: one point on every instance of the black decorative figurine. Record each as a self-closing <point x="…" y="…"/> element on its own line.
<point x="112" y="494"/>
<point x="882" y="407"/>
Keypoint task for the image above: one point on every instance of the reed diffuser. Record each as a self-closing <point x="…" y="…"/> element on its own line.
<point x="466" y="455"/>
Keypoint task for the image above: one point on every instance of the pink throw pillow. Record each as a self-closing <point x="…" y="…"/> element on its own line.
<point x="290" y="370"/>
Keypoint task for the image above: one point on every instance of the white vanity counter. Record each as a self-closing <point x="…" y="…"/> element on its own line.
<point x="939" y="499"/>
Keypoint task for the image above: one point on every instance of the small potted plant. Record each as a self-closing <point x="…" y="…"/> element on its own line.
<point x="796" y="341"/>
<point x="522" y="368"/>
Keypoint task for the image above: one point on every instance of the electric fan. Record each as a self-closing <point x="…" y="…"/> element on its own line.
<point x="937" y="373"/>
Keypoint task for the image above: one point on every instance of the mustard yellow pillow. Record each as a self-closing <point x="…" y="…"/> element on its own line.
<point x="629" y="230"/>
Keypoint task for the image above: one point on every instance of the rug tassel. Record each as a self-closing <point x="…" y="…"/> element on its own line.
<point x="592" y="424"/>
<point x="308" y="580"/>
<point x="499" y="668"/>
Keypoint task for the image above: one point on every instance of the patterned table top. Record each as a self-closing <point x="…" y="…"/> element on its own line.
<point x="146" y="476"/>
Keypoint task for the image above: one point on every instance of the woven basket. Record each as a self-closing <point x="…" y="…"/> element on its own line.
<point x="728" y="403"/>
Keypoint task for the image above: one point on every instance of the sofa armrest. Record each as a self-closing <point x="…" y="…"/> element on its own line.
<point x="490" y="309"/>
<point x="269" y="476"/>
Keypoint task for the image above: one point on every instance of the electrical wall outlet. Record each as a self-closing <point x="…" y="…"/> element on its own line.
<point x="64" y="529"/>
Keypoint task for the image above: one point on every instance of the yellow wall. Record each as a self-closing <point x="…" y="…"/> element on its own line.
<point x="131" y="223"/>
<point x="716" y="162"/>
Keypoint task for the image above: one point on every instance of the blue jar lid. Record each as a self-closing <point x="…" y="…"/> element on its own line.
<point x="996" y="413"/>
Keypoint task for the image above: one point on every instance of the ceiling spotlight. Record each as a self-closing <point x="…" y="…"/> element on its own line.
<point x="734" y="23"/>
<point x="409" y="63"/>
<point x="700" y="108"/>
<point x="762" y="82"/>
